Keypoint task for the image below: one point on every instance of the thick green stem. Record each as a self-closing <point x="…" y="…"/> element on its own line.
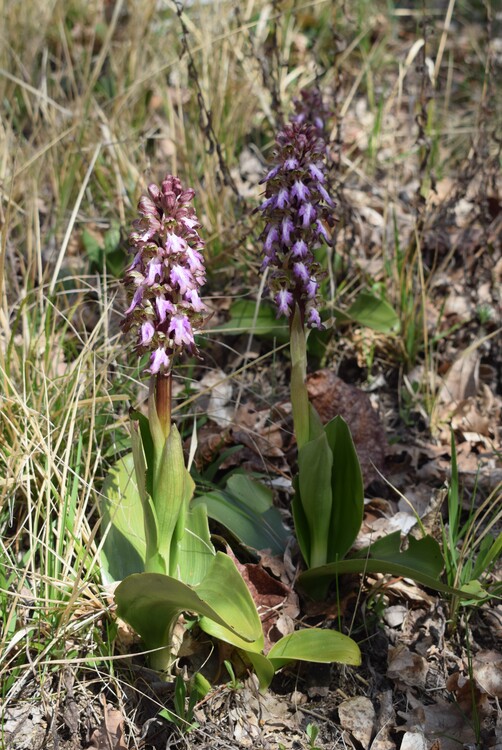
<point x="299" y="393"/>
<point x="162" y="659"/>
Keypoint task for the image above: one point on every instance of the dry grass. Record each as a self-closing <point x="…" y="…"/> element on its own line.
<point x="94" y="107"/>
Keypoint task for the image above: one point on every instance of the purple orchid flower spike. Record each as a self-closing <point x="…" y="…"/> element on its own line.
<point x="298" y="212"/>
<point x="311" y="108"/>
<point x="166" y="275"/>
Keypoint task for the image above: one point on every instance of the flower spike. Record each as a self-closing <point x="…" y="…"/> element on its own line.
<point x="165" y="276"/>
<point x="297" y="208"/>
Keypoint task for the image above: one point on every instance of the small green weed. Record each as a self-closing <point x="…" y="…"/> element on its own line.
<point x="186" y="696"/>
<point x="470" y="549"/>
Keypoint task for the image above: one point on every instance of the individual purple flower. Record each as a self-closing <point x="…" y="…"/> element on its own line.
<point x="314" y="319"/>
<point x="284" y="300"/>
<point x="316" y="173"/>
<point x="182" y="277"/>
<point x="166" y="275"/>
<point x="272" y="235"/>
<point x="182" y="331"/>
<point x="291" y="163"/>
<point x="308" y="213"/>
<point x="159" y="361"/>
<point x="300" y="191"/>
<point x="299" y="249"/>
<point x="147" y="332"/>
<point x="164" y="306"/>
<point x="282" y="198"/>
<point x="154" y="270"/>
<point x="195" y="301"/>
<point x="301" y="272"/>
<point x="287" y="227"/>
<point x="297" y="227"/>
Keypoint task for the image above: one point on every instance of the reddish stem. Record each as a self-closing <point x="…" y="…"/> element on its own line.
<point x="163" y="398"/>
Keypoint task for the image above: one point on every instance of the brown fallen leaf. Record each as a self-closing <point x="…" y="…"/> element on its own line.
<point x="331" y="396"/>
<point x="487" y="669"/>
<point x="440" y="722"/>
<point x="461" y="380"/>
<point x="385" y="723"/>
<point x="110" y="735"/>
<point x="414" y="741"/>
<point x="357" y="716"/>
<point x="406" y="667"/>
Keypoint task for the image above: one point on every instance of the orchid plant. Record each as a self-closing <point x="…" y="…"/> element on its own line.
<point x="158" y="540"/>
<point x="329" y="499"/>
<point x="298" y="212"/>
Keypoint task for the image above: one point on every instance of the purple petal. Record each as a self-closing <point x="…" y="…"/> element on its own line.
<point x="287" y="228"/>
<point x="136" y="262"/>
<point x="321" y="229"/>
<point x="138" y="296"/>
<point x="282" y="198"/>
<point x="147" y="331"/>
<point x="314" y="319"/>
<point x="269" y="203"/>
<point x="272" y="236"/>
<point x="147" y="208"/>
<point x="270" y="176"/>
<point x="193" y="297"/>
<point x="300" y="191"/>
<point x="154" y="269"/>
<point x="308" y="212"/>
<point x="316" y="173"/>
<point x="189" y="222"/>
<point x="183" y="334"/>
<point x="284" y="300"/>
<point x="299" y="249"/>
<point x="300" y="271"/>
<point x="174" y="243"/>
<point x="195" y="260"/>
<point x="312" y="288"/>
<point x="154" y="191"/>
<point x="158" y="361"/>
<point x="291" y="163"/>
<point x="182" y="277"/>
<point x="164" y="306"/>
<point x="325" y="195"/>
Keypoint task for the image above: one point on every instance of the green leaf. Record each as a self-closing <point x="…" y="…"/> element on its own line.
<point x="151" y="603"/>
<point x="170" y="491"/>
<point x="245" y="508"/>
<point x="112" y="239"/>
<point x="347" y="490"/>
<point x="124" y="546"/>
<point x="474" y="593"/>
<point x="148" y="449"/>
<point x="422" y="562"/>
<point x="490" y="550"/>
<point x="153" y="562"/>
<point x="195" y="550"/>
<point x="315" y="461"/>
<point x="315" y="645"/>
<point x="245" y="319"/>
<point x="300" y="522"/>
<point x="298" y="388"/>
<point x="92" y="247"/>
<point x="372" y="312"/>
<point x="262" y="666"/>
